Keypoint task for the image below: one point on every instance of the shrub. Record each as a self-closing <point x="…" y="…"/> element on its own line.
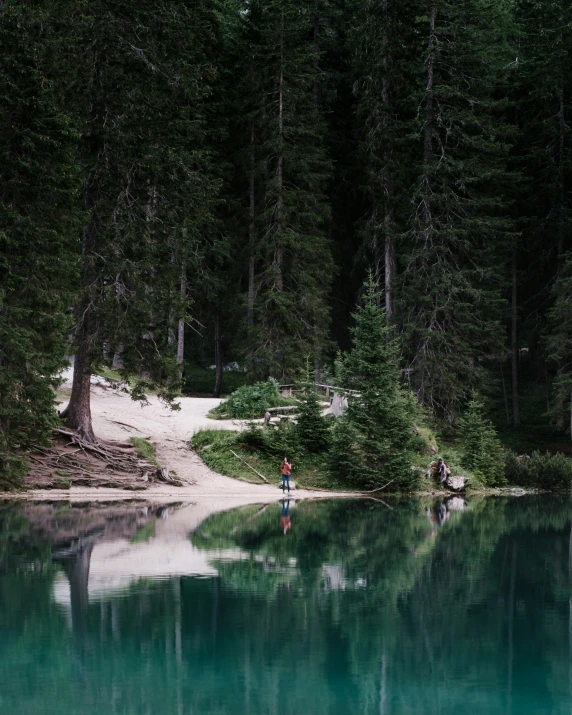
<point x="312" y="429"/>
<point x="250" y="401"/>
<point x="543" y="471"/>
<point x="276" y="443"/>
<point x="482" y="451"/>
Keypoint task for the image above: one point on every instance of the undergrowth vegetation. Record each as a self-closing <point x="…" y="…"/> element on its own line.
<point x="552" y="472"/>
<point x="263" y="449"/>
<point x="251" y="401"/>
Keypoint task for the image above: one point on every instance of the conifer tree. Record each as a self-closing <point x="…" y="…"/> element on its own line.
<point x="384" y="41"/>
<point x="559" y="342"/>
<point x="290" y="262"/>
<point x="544" y="154"/>
<point x="459" y="233"/>
<point x="312" y="429"/>
<point x="372" y="440"/>
<point x="40" y="217"/>
<point x="143" y="74"/>
<point x="482" y="450"/>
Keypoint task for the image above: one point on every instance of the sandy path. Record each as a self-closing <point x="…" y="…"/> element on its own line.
<point x="116" y="416"/>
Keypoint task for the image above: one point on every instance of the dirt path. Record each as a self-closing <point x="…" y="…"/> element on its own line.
<point x="116" y="416"/>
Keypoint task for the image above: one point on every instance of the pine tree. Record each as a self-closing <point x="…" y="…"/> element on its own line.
<point x="143" y="75"/>
<point x="312" y="429"/>
<point x="482" y="451"/>
<point x="545" y="157"/>
<point x="460" y="232"/>
<point x="384" y="41"/>
<point x="372" y="441"/>
<point x="40" y="216"/>
<point x="290" y="262"/>
<point x="559" y="342"/>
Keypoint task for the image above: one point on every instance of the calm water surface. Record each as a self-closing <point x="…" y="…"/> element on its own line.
<point x="361" y="607"/>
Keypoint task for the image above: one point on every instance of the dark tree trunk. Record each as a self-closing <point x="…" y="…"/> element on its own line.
<point x="78" y="412"/>
<point x="388" y="218"/>
<point x="251" y="235"/>
<point x="181" y="335"/>
<point x="279" y="256"/>
<point x="427" y="151"/>
<point x="514" y="342"/>
<point x="218" y="355"/>
<point x="77" y="571"/>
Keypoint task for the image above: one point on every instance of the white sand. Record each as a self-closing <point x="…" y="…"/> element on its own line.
<point x="116" y="416"/>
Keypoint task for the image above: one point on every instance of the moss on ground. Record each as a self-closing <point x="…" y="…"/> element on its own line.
<point x="145" y="450"/>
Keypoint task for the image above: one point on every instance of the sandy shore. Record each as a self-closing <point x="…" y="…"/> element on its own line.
<point x="116" y="416"/>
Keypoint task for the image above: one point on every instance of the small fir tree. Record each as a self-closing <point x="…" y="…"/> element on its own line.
<point x="481" y="447"/>
<point x="372" y="441"/>
<point x="312" y="429"/>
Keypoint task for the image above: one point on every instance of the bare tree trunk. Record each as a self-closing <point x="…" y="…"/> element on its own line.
<point x="426" y="216"/>
<point x="181" y="334"/>
<point x="505" y="396"/>
<point x="514" y="342"/>
<point x="251" y="234"/>
<point x="388" y="219"/>
<point x="280" y="168"/>
<point x="78" y="412"/>
<point x="561" y="168"/>
<point x="218" y="354"/>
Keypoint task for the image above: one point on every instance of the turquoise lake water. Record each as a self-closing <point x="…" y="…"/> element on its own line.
<point x="360" y="607"/>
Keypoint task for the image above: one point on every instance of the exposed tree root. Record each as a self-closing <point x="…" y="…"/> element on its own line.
<point x="74" y="461"/>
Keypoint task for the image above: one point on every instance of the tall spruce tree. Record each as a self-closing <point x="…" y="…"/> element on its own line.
<point x="559" y="343"/>
<point x="290" y="264"/>
<point x="143" y="76"/>
<point x="545" y="155"/>
<point x="40" y="217"/>
<point x="459" y="232"/>
<point x="372" y="440"/>
<point x="385" y="43"/>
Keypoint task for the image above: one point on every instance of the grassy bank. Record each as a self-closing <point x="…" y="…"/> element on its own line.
<point x="216" y="447"/>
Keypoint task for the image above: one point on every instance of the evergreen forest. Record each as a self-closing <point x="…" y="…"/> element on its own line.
<point x="210" y="182"/>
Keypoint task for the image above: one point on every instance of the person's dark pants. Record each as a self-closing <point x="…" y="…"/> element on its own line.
<point x="285" y="481"/>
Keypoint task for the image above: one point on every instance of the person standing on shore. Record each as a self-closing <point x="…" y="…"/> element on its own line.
<point x="286" y="469"/>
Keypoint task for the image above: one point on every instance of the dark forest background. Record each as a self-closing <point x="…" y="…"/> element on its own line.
<point x="204" y="182"/>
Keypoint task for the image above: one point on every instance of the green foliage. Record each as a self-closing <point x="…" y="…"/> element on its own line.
<point x="312" y="429"/>
<point x="145" y="450"/>
<point x="251" y="401"/>
<point x="552" y="472"/>
<point x="559" y="341"/>
<point x="144" y="533"/>
<point x="458" y="239"/>
<point x="285" y="155"/>
<point x="40" y="219"/>
<point x="264" y="450"/>
<point x="373" y="441"/>
<point x="198" y="379"/>
<point x="482" y="451"/>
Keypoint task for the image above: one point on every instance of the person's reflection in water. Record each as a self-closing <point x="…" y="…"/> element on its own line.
<point x="285" y="520"/>
<point x="438" y="515"/>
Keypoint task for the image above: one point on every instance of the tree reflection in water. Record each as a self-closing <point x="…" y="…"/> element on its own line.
<point x="407" y="607"/>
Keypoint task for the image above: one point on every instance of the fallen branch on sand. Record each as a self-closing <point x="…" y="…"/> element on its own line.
<point x="250" y="466"/>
